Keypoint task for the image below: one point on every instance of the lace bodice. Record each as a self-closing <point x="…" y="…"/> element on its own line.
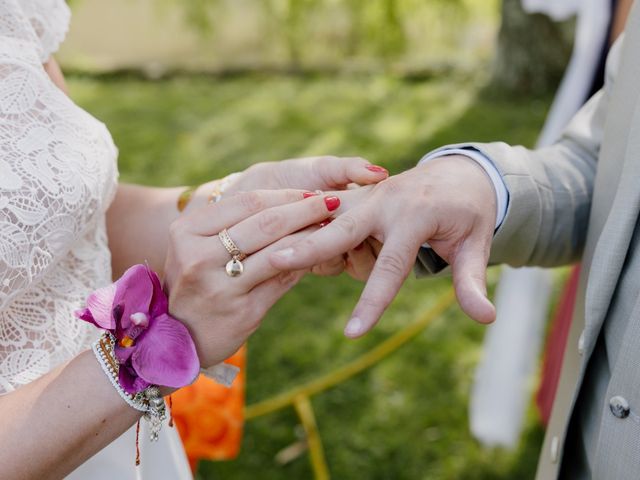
<point x="57" y="177"/>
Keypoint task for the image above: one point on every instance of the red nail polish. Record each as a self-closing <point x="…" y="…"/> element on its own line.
<point x="332" y="203"/>
<point x="377" y="169"/>
<point x="309" y="194"/>
<point x="359" y="247"/>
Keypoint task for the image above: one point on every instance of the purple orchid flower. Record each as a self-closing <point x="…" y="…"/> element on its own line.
<point x="152" y="347"/>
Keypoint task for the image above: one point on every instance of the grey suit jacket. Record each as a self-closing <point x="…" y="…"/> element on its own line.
<point x="580" y="198"/>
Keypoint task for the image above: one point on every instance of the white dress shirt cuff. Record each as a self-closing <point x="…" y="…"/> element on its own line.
<point x="502" y="194"/>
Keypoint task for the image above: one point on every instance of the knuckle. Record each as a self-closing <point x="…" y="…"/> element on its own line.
<point x="354" y="161"/>
<point x="252" y="201"/>
<point x="333" y="267"/>
<point x="323" y="168"/>
<point x="287" y="279"/>
<point x="388" y="187"/>
<point x="346" y="224"/>
<point x="392" y="264"/>
<point x="176" y="230"/>
<point x="318" y="270"/>
<point x="211" y="296"/>
<point x="192" y="268"/>
<point x="271" y="222"/>
<point x="374" y="303"/>
<point x="306" y="248"/>
<point x="292" y="195"/>
<point x="189" y="272"/>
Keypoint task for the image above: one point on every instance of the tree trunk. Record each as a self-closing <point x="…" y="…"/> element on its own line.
<point x="532" y="52"/>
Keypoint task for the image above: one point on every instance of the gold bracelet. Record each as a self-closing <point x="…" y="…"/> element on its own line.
<point x="185" y="197"/>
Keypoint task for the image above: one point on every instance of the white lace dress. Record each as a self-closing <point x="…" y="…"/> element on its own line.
<point x="58" y="175"/>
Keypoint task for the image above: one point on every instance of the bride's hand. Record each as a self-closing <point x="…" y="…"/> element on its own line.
<point x="311" y="173"/>
<point x="318" y="173"/>
<point x="219" y="310"/>
<point x="359" y="261"/>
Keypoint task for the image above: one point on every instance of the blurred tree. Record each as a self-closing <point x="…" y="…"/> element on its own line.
<point x="374" y="26"/>
<point x="532" y="52"/>
<point x="379" y="24"/>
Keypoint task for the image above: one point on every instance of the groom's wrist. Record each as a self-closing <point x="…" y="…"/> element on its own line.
<point x="500" y="189"/>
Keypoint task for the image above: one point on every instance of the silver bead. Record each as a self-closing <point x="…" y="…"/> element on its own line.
<point x="234" y="267"/>
<point x="152" y="391"/>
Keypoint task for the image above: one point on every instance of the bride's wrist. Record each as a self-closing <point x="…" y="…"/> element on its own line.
<point x="142" y="348"/>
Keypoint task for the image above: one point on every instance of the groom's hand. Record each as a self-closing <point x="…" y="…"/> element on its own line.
<point x="449" y="203"/>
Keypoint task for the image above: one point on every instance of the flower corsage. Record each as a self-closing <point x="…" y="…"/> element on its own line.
<point x="142" y="346"/>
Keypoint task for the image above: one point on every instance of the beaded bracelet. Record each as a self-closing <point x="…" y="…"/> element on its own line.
<point x="149" y="401"/>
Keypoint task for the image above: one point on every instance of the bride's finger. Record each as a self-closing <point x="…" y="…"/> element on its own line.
<point x="211" y="219"/>
<point x="330" y="268"/>
<point x="266" y="294"/>
<point x="360" y="261"/>
<point x="375" y="246"/>
<point x="257" y="232"/>
<point x="257" y="268"/>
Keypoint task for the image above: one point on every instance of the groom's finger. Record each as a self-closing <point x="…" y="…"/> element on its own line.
<point x="344" y="233"/>
<point x="258" y="269"/>
<point x="469" y="270"/>
<point x="389" y="273"/>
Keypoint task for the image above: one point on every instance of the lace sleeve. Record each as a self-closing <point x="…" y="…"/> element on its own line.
<point x="49" y="20"/>
<point x="49" y="173"/>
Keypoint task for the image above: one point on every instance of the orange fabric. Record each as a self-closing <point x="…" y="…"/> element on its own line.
<point x="209" y="416"/>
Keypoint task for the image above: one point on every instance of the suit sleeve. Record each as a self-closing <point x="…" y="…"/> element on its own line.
<point x="550" y="189"/>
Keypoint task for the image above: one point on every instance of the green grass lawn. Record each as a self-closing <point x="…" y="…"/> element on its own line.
<point x="407" y="417"/>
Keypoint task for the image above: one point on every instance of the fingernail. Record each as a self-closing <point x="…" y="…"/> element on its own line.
<point x="309" y="194"/>
<point x="353" y="328"/>
<point x="377" y="169"/>
<point x="325" y="223"/>
<point x="285" y="253"/>
<point x="359" y="247"/>
<point x="332" y="203"/>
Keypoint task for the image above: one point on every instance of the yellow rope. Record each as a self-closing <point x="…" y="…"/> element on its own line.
<point x="305" y="412"/>
<point x="354" y="367"/>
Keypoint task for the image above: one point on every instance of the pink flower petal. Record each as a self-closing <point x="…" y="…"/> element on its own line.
<point x="165" y="354"/>
<point x="100" y="304"/>
<point x="134" y="291"/>
<point x="85" y="314"/>
<point x="129" y="381"/>
<point x="159" y="302"/>
<point x="123" y="354"/>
